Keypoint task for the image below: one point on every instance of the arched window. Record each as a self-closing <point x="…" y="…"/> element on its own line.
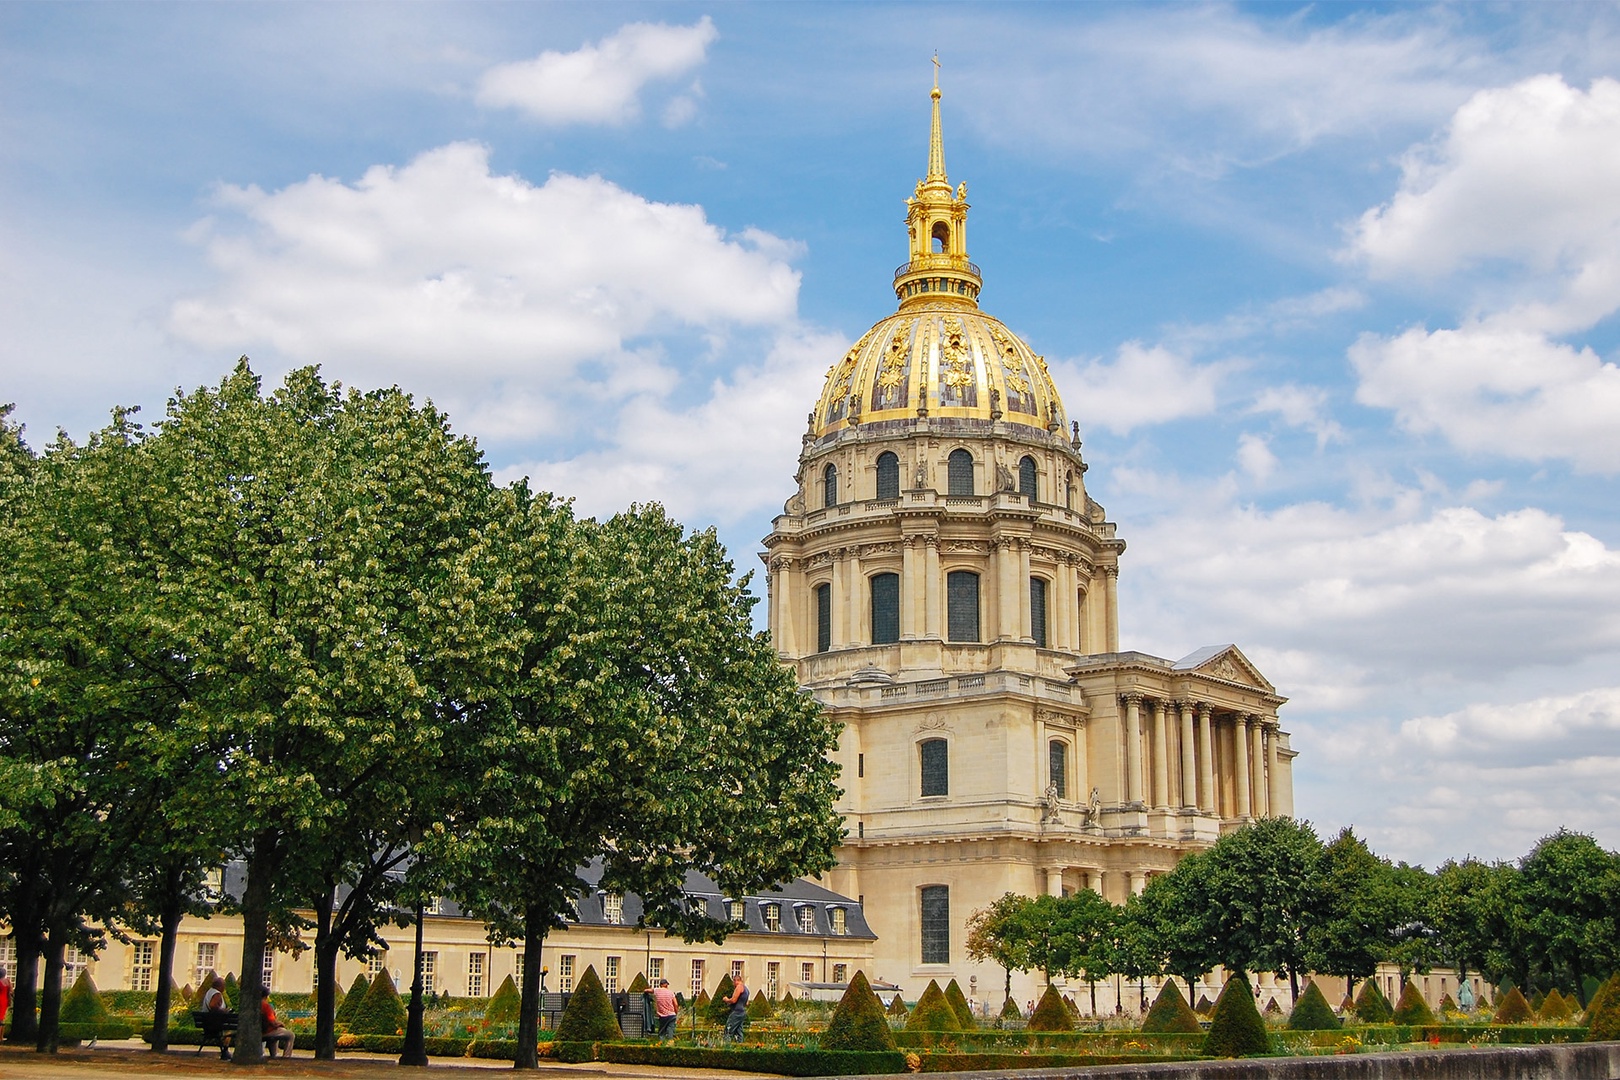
<point x="935" y="924"/>
<point x="1057" y="767"/>
<point x="941" y="238"/>
<point x="888" y="476"/>
<point x="962" y="605"/>
<point x="823" y="618"/>
<point x="829" y="486"/>
<point x="1027" y="478"/>
<point x="961" y="473"/>
<point x="936" y="767"/>
<point x="1037" y="610"/>
<point x="885" y="608"/>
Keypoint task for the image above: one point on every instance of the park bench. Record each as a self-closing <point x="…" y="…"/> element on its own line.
<point x="218" y="1029"/>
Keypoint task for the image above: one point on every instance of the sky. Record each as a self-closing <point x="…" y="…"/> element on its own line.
<point x="1331" y="290"/>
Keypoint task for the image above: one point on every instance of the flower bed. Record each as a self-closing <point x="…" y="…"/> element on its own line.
<point x="785" y="1061"/>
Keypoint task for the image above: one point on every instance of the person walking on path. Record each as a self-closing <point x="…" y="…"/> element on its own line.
<point x="738" y="1017"/>
<point x="666" y="1009"/>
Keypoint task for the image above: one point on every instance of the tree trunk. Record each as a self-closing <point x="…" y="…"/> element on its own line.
<point x="50" y="1004"/>
<point x="1006" y="985"/>
<point x="1293" y="984"/>
<point x="25" y="987"/>
<point x="1093" y="997"/>
<point x="172" y="913"/>
<point x="528" y="1032"/>
<point x="261" y="867"/>
<point x="326" y="950"/>
<point x="1579" y="971"/>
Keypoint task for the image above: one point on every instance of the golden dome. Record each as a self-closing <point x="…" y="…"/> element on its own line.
<point x="941" y="360"/>
<point x="939" y="356"/>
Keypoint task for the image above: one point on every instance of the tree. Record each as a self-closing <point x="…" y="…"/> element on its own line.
<point x="1264" y="896"/>
<point x="1570" y="896"/>
<point x="995" y="934"/>
<point x="1177" y="909"/>
<point x="640" y="721"/>
<point x="1355" y="922"/>
<point x="1470" y="913"/>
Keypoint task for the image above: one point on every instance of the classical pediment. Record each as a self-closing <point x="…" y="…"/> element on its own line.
<point x="1225" y="662"/>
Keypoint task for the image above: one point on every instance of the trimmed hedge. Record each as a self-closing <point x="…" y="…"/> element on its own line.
<point x="959" y="1005"/>
<point x="504" y="1004"/>
<point x="1236" y="1029"/>
<point x="932" y="1012"/>
<point x="858" y="1024"/>
<point x="1171" y="1012"/>
<point x="1603" y="1021"/>
<point x="1010" y="1009"/>
<point x="381" y="1012"/>
<point x="784" y="1062"/>
<point x="1372" y="1007"/>
<point x="1413" y="1010"/>
<point x="958" y="1062"/>
<point x="1313" y="1013"/>
<point x="106" y="1029"/>
<point x="82" y="1005"/>
<point x="1513" y="1010"/>
<point x="589" y="1016"/>
<point x="351" y="1001"/>
<point x="1555" y="1006"/>
<point x="1050" y="1013"/>
<point x="897" y="1008"/>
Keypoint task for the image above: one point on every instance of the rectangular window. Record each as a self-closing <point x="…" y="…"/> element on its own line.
<point x="1037" y="611"/>
<point x="936" y="767"/>
<point x="736" y="970"/>
<point x="376" y="963"/>
<point x="475" y="974"/>
<point x="140" y="966"/>
<point x="72" y="964"/>
<point x="565" y="974"/>
<point x="773" y="979"/>
<point x="269" y="969"/>
<point x="773" y="916"/>
<point x="840" y="973"/>
<point x="430" y="972"/>
<point x="807" y="919"/>
<point x="611" y="982"/>
<point x="655" y="969"/>
<point x="962" y="605"/>
<point x="734" y="910"/>
<point x="1057" y="768"/>
<point x="807" y="974"/>
<point x="936" y="924"/>
<point x="885" y="609"/>
<point x="839" y="921"/>
<point x="517" y="965"/>
<point x="860" y="765"/>
<point x="214" y="884"/>
<point x="697" y="977"/>
<point x="613" y="909"/>
<point x="823" y="618"/>
<point x="207" y="960"/>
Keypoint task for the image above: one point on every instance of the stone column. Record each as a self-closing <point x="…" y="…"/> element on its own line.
<point x="857" y="604"/>
<point x="1077" y="596"/>
<point x="1189" y="775"/>
<point x="1004" y="558"/>
<point x="1161" y="763"/>
<point x="1058" y="616"/>
<point x="1094" y="881"/>
<point x="1026" y="620"/>
<point x="1138" y="882"/>
<point x="1054" y="881"/>
<point x="931" y="591"/>
<point x="1274" y="798"/>
<point x="1133" y="749"/>
<point x="840" y="599"/>
<point x="1206" y="761"/>
<point x="1111" y="576"/>
<point x="910" y="579"/>
<point x="1257" y="765"/>
<point x="1240" y="766"/>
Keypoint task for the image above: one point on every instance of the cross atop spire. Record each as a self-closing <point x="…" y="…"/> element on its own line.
<point x="936" y="141"/>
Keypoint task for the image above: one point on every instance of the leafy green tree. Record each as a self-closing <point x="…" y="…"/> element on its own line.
<point x="1137" y="950"/>
<point x="1570" y="896"/>
<point x="1264" y="897"/>
<point x="1414" y="944"/>
<point x="1354" y="925"/>
<point x="1471" y="914"/>
<point x="995" y="933"/>
<point x="1177" y="910"/>
<point x="858" y="1023"/>
<point x="640" y="721"/>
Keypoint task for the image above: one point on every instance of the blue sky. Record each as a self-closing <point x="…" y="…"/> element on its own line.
<point x="1330" y="288"/>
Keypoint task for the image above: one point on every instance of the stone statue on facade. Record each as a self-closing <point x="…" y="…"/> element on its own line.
<point x="1092" y="815"/>
<point x="1004" y="478"/>
<point x="1050" y="804"/>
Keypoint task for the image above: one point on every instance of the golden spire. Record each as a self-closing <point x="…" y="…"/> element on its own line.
<point x="936" y="141"/>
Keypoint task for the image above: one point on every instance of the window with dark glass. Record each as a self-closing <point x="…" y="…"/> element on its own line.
<point x="888" y="476"/>
<point x="885" y="609"/>
<point x="960" y="471"/>
<point x="936" y="924"/>
<point x="1027" y="478"/>
<point x="1037" y="610"/>
<point x="936" y="767"/>
<point x="823" y="618"/>
<point x="829" y="486"/>
<point x="1057" y="768"/>
<point x="962" y="605"/>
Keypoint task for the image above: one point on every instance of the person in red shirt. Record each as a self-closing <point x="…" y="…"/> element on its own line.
<point x="665" y="1007"/>
<point x="5" y="997"/>
<point x="274" y="1034"/>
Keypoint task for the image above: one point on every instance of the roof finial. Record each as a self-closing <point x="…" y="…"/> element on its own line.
<point x="936" y="142"/>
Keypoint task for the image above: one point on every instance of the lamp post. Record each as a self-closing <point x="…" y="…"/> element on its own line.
<point x="414" y="1051"/>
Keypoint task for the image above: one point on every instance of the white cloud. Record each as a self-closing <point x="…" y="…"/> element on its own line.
<point x="1300" y="407"/>
<point x="1142" y="386"/>
<point x="1254" y="456"/>
<point x="602" y="83"/>
<point x="482" y="290"/>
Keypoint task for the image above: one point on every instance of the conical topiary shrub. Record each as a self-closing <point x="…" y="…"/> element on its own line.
<point x="932" y="1012"/>
<point x="351" y="1000"/>
<point x="1554" y="1007"/>
<point x="1010" y="1009"/>
<point x="701" y="1002"/>
<point x="1068" y="1003"/>
<point x="897" y="1008"/>
<point x="1599" y="997"/>
<point x="639" y="984"/>
<point x="1204" y="1006"/>
<point x="1236" y="1029"/>
<point x="82" y="1004"/>
<point x="1446" y="1004"/>
<point x="1170" y="1012"/>
<point x="760" y="1007"/>
<point x="718" y="1010"/>
<point x="589" y="1016"/>
<point x="504" y="1004"/>
<point x="858" y="1023"/>
<point x="1050" y="1013"/>
<point x="1603" y="1015"/>
<point x="1372" y="1007"/>
<point x="1313" y="1013"/>
<point x="1412" y="1010"/>
<point x="1536" y="1000"/>
<point x="1513" y="1009"/>
<point x="1273" y="1010"/>
<point x="187" y="994"/>
<point x="381" y="1012"/>
<point x="233" y="990"/>
<point x="959" y="1006"/>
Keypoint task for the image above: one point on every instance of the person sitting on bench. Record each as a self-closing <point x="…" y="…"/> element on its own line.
<point x="274" y="1034"/>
